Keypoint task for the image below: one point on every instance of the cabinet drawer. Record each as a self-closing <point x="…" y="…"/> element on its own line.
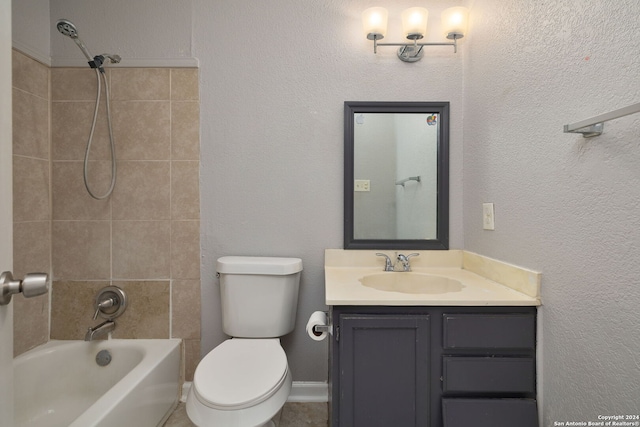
<point x="489" y="375"/>
<point x="489" y="331"/>
<point x="489" y="413"/>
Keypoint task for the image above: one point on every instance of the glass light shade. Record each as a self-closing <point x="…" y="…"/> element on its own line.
<point x="374" y="22"/>
<point x="414" y="22"/>
<point x="455" y="21"/>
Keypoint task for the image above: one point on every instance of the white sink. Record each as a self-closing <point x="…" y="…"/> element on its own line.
<point x="411" y="283"/>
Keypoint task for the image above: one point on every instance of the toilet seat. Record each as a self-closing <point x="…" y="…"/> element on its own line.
<point x="240" y="373"/>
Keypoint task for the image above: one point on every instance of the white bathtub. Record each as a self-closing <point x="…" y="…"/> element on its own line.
<point x="60" y="384"/>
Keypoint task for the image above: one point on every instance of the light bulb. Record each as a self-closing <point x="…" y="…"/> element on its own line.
<point x="414" y="22"/>
<point x="374" y="22"/>
<point x="454" y="22"/>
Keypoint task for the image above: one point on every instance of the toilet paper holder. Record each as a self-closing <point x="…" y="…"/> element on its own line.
<point x="322" y="328"/>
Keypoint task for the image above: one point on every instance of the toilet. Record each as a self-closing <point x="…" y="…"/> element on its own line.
<point x="245" y="381"/>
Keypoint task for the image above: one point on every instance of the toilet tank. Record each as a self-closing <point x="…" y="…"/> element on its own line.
<point x="258" y="295"/>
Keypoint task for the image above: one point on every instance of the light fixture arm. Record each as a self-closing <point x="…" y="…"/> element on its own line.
<point x="412" y="52"/>
<point x="453" y="43"/>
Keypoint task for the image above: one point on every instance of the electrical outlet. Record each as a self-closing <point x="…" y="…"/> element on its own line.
<point x="488" y="219"/>
<point x="361" y="185"/>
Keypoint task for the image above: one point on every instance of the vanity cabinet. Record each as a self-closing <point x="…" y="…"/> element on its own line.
<point x="433" y="366"/>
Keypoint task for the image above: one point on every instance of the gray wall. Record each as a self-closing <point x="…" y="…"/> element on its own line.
<point x="564" y="205"/>
<point x="274" y="80"/>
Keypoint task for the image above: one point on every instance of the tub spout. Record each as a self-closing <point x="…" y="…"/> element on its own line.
<point x="100" y="330"/>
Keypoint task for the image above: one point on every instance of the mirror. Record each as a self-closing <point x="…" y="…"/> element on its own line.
<point x="396" y="175"/>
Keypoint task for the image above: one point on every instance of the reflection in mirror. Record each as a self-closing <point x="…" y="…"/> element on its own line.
<point x="396" y="175"/>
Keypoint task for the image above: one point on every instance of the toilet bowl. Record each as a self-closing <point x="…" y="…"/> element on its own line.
<point x="245" y="380"/>
<point x="240" y="383"/>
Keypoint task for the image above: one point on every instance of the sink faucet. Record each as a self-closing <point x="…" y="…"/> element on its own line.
<point x="100" y="330"/>
<point x="404" y="260"/>
<point x="388" y="265"/>
<point x="400" y="258"/>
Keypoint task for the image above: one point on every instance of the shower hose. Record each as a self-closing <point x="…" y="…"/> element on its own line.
<point x="90" y="140"/>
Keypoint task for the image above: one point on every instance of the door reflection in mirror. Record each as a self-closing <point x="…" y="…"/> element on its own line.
<point x="397" y="154"/>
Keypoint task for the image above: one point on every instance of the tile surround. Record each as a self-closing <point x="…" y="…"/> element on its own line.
<point x="145" y="237"/>
<point x="31" y="195"/>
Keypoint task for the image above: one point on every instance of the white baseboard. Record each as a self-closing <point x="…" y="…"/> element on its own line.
<point x="301" y="391"/>
<point x="185" y="391"/>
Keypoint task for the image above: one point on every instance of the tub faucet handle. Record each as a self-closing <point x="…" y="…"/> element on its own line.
<point x="109" y="302"/>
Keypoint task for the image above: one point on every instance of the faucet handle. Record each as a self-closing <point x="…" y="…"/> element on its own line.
<point x="106" y="303"/>
<point x="404" y="259"/>
<point x="110" y="303"/>
<point x="388" y="264"/>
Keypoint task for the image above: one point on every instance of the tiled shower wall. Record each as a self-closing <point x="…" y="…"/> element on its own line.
<point x="145" y="237"/>
<point x="31" y="195"/>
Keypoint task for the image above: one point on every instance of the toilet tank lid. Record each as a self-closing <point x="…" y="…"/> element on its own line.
<point x="258" y="265"/>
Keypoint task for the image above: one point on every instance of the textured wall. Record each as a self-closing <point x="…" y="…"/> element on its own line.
<point x="274" y="77"/>
<point x="30" y="28"/>
<point x="143" y="32"/>
<point x="565" y="205"/>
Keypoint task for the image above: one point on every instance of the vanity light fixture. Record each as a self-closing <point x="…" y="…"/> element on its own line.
<point x="414" y="27"/>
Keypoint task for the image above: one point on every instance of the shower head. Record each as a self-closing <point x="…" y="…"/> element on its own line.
<point x="67" y="28"/>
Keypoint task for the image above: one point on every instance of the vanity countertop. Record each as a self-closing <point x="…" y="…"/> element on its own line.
<point x="507" y="285"/>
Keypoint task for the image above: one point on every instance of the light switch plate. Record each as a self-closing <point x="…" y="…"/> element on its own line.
<point x="361" y="185"/>
<point x="488" y="218"/>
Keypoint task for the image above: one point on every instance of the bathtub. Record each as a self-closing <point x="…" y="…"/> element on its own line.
<point x="60" y="384"/>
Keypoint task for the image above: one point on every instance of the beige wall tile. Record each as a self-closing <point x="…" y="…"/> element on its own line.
<point x="142" y="130"/>
<point x="185" y="190"/>
<point x="72" y="308"/>
<point x="185" y="306"/>
<point x="74" y="84"/>
<point x="142" y="191"/>
<point x="81" y="250"/>
<point x="147" y="127"/>
<point x="184" y="84"/>
<point x="147" y="313"/>
<point x="30" y="125"/>
<point x="31" y="248"/>
<point x="71" y="200"/>
<point x="136" y="84"/>
<point x="185" y="130"/>
<point x="30" y="189"/>
<point x="141" y="249"/>
<point x="70" y="129"/>
<point x="185" y="249"/>
<point x="29" y="75"/>
<point x="30" y="321"/>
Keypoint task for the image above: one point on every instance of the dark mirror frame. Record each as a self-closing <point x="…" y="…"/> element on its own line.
<point x="442" y="227"/>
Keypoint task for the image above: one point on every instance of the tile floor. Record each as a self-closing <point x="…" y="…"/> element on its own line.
<point x="292" y="415"/>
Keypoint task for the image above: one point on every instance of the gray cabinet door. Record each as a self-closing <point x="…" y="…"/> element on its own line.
<point x="384" y="370"/>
